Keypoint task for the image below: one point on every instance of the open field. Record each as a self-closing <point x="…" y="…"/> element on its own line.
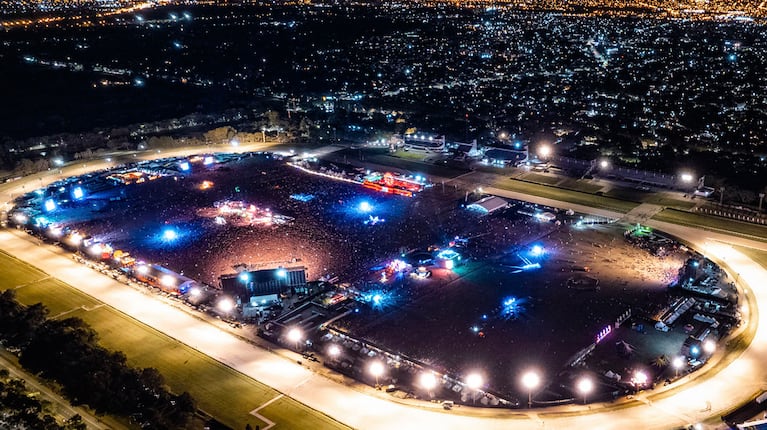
<point x="541" y="179"/>
<point x="564" y="195"/>
<point x="753" y="231"/>
<point x="219" y="390"/>
<point x="578" y="185"/>
<point x="413" y="166"/>
<point x="663" y="200"/>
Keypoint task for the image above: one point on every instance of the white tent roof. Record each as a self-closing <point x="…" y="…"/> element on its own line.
<point x="489" y="204"/>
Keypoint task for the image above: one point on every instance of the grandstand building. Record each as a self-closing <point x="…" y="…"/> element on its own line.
<point x="258" y="283"/>
<point x="423" y="143"/>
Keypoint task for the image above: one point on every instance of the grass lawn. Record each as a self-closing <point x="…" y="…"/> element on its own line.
<point x="56" y="296"/>
<point x="407" y="155"/>
<point x="220" y="391"/>
<point x="663" y="200"/>
<point x="415" y="167"/>
<point x="541" y="179"/>
<point x="578" y="185"/>
<point x="752" y="231"/>
<point x="565" y="195"/>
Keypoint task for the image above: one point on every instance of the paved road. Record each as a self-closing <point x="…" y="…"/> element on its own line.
<point x="710" y="394"/>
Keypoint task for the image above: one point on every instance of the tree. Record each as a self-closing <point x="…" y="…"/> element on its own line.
<point x="25" y="166"/>
<point x="220" y="135"/>
<point x="75" y="422"/>
<point x="273" y="118"/>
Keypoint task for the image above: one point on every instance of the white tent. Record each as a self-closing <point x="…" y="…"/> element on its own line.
<point x="489" y="204"/>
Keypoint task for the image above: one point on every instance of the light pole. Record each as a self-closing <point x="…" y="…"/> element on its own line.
<point x="376" y="369"/>
<point x="544" y="151"/>
<point x="678" y="362"/>
<point x="474" y="381"/>
<point x="428" y="381"/>
<point x="530" y="380"/>
<point x="334" y="351"/>
<point x="585" y="386"/>
<point x="709" y="346"/>
<point x="295" y="335"/>
<point x="640" y="379"/>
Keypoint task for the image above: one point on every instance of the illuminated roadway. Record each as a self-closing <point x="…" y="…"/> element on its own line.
<point x="706" y="395"/>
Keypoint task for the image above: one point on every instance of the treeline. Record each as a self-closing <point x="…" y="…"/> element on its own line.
<point x="67" y="351"/>
<point x="21" y="409"/>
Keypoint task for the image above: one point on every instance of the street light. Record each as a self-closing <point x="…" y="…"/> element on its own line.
<point x="709" y="346"/>
<point x="585" y="386"/>
<point x="295" y="335"/>
<point x="334" y="351"/>
<point x="474" y="381"/>
<point x="640" y="378"/>
<point x="530" y="380"/>
<point x="225" y="305"/>
<point x="428" y="381"/>
<point x="376" y="369"/>
<point x="677" y="362"/>
<point x="544" y="151"/>
<point x="686" y="177"/>
<point x="604" y="164"/>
